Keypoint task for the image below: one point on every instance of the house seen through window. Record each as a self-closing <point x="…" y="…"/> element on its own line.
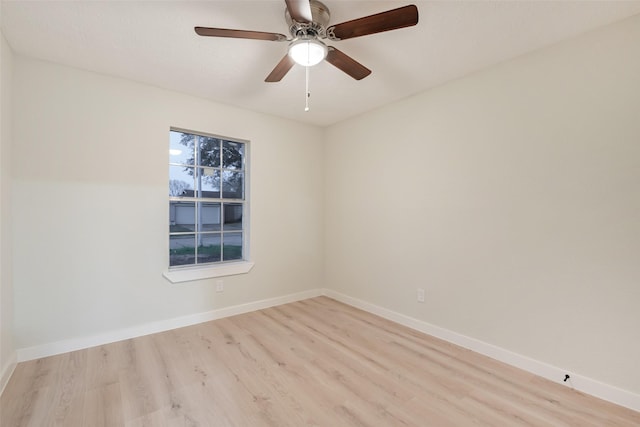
<point x="207" y="205"/>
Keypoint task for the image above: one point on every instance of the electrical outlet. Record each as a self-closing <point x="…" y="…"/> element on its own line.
<point x="219" y="286"/>
<point x="420" y="295"/>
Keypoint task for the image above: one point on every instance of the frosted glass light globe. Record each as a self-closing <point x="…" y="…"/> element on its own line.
<point x="307" y="52"/>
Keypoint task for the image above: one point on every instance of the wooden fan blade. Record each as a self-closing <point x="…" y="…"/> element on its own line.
<point x="406" y="16"/>
<point x="347" y="64"/>
<point x="239" y="34"/>
<point x="300" y="10"/>
<point x="280" y="70"/>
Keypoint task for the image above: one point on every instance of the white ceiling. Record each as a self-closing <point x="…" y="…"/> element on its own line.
<point x="154" y="42"/>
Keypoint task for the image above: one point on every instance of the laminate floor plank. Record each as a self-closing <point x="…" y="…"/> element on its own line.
<point x="315" y="362"/>
<point x="396" y="371"/>
<point x="103" y="406"/>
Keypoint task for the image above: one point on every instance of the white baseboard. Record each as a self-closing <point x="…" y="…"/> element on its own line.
<point x="584" y="384"/>
<point x="73" y="344"/>
<point x="7" y="371"/>
<point x="579" y="382"/>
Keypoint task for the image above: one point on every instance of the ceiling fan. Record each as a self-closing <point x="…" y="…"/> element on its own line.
<point x="308" y="20"/>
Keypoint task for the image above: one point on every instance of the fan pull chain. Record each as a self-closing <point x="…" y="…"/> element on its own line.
<point x="307" y="94"/>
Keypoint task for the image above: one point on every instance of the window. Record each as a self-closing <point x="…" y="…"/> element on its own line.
<point x="207" y="200"/>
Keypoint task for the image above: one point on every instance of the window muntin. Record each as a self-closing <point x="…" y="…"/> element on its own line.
<point x="207" y="204"/>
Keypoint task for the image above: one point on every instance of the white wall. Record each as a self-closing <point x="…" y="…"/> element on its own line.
<point x="7" y="349"/>
<point x="90" y="173"/>
<point x="513" y="197"/>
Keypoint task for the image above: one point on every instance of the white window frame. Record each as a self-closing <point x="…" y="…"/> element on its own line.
<point x="185" y="273"/>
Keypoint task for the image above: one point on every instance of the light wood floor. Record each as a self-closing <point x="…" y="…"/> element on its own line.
<point x="310" y="363"/>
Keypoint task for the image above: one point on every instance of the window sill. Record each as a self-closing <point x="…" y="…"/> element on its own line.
<point x="199" y="273"/>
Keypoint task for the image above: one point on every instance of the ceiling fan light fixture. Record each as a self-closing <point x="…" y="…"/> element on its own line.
<point x="307" y="51"/>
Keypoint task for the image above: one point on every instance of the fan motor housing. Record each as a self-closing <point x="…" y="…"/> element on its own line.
<point x="320" y="14"/>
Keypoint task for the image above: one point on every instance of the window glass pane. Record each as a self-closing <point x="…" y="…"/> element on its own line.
<point x="182" y="217"/>
<point x="232" y="185"/>
<point x="209" y="216"/>
<point x="209" y="151"/>
<point x="208" y="180"/>
<point x="202" y="171"/>
<point x="232" y="155"/>
<point x="232" y="246"/>
<point x="182" y="249"/>
<point x="181" y="181"/>
<point x="233" y="216"/>
<point x="181" y="148"/>
<point x="208" y="248"/>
